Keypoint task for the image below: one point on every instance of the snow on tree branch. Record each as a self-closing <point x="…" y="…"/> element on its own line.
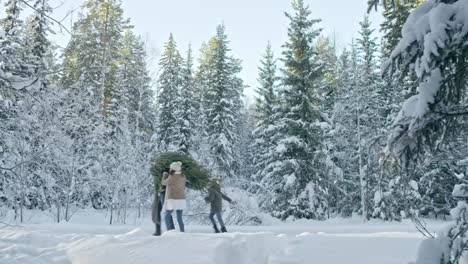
<point x="434" y="41"/>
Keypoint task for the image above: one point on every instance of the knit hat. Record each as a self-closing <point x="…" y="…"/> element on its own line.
<point x="216" y="180"/>
<point x="176" y="166"/>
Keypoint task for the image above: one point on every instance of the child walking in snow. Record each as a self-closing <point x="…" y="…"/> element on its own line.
<point x="215" y="197"/>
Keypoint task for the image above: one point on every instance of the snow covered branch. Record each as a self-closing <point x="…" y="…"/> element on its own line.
<point x="453" y="111"/>
<point x="47" y="16"/>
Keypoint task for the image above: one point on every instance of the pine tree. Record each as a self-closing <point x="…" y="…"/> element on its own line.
<point x="268" y="80"/>
<point x="141" y="126"/>
<point x="426" y="121"/>
<point x="187" y="109"/>
<point x="394" y="18"/>
<point x="14" y="61"/>
<point x="170" y="82"/>
<point x="344" y="140"/>
<point x="40" y="46"/>
<point x="91" y="62"/>
<point x="395" y="194"/>
<point x="201" y="82"/>
<point x="265" y="105"/>
<point x="295" y="177"/>
<point x="14" y="81"/>
<point x="222" y="104"/>
<point x="91" y="58"/>
<point x="327" y="57"/>
<point x="134" y="78"/>
<point x="246" y="146"/>
<point x="367" y="117"/>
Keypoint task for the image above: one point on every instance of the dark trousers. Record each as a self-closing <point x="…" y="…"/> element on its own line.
<point x="162" y="196"/>
<point x="219" y="217"/>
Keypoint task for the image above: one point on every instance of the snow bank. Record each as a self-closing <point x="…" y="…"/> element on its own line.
<point x="136" y="246"/>
<point x="430" y="252"/>
<point x="178" y="248"/>
<point x="332" y="242"/>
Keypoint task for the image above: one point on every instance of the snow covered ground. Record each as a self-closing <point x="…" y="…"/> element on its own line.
<point x="331" y="242"/>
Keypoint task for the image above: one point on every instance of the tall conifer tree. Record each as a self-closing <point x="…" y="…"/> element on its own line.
<point x="170" y="82"/>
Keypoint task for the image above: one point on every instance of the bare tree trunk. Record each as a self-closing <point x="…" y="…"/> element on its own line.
<point x="139" y="207"/>
<point x="71" y="190"/>
<point x="22" y="196"/>
<point x="57" y="205"/>
<point x="16" y="211"/>
<point x="67" y="209"/>
<point x="111" y="214"/>
<point x="21" y="209"/>
<point x="125" y="213"/>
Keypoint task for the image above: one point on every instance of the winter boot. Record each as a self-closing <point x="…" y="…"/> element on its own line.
<point x="158" y="230"/>
<point x="216" y="230"/>
<point x="223" y="229"/>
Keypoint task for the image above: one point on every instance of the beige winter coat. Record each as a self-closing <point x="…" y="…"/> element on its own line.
<point x="175" y="186"/>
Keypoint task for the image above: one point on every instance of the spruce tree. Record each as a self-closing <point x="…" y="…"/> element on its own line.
<point x="429" y="121"/>
<point x="295" y="177"/>
<point x="222" y="103"/>
<point x="91" y="58"/>
<point x="326" y="55"/>
<point x="266" y="102"/>
<point x="187" y="109"/>
<point x="91" y="62"/>
<point x="169" y="82"/>
<point x="366" y="117"/>
<point x="344" y="140"/>
<point x="394" y="193"/>
<point x="134" y="77"/>
<point x="141" y="123"/>
<point x="268" y="84"/>
<point x="40" y="46"/>
<point x="14" y="79"/>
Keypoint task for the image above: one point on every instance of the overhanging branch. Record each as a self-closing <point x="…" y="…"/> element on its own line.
<point x="49" y="17"/>
<point x="453" y="111"/>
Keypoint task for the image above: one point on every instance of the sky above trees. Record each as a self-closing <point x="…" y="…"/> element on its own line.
<point x="249" y="24"/>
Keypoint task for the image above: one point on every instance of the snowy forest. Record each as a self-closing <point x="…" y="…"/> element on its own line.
<point x="376" y="129"/>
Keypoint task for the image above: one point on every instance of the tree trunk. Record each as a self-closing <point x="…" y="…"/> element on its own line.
<point x="67" y="208"/>
<point x="57" y="205"/>
<point x="125" y="213"/>
<point x="71" y="190"/>
<point x="361" y="171"/>
<point x="21" y="210"/>
<point x="111" y="214"/>
<point x="139" y="209"/>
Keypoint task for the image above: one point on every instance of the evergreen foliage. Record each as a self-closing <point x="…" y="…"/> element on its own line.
<point x="197" y="176"/>
<point x="292" y="174"/>
<point x="168" y="95"/>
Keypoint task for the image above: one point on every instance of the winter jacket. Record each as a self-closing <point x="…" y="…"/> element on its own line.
<point x="215" y="197"/>
<point x="165" y="175"/>
<point x="156" y="202"/>
<point x="175" y="186"/>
